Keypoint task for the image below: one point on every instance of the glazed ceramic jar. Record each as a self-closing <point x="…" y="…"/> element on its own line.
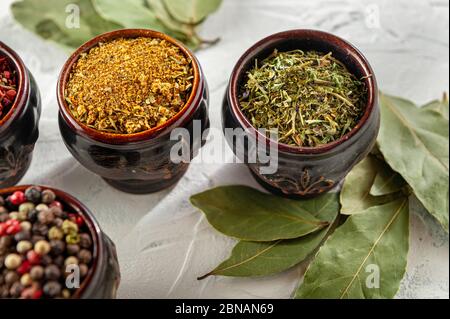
<point x="135" y="163"/>
<point x="306" y="171"/>
<point x="19" y="128"/>
<point x="103" y="278"/>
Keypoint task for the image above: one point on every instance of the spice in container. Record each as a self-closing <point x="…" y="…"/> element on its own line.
<point x="8" y="85"/>
<point x="39" y="239"/>
<point x="309" y="97"/>
<point x="128" y="86"/>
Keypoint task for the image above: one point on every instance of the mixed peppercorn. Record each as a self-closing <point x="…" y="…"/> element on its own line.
<point x="8" y="85"/>
<point x="40" y="243"/>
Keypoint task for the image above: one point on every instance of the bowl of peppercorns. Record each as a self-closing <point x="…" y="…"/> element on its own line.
<point x="52" y="247"/>
<point x="20" y="110"/>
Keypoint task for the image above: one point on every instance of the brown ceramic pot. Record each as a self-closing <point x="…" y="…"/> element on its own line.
<point x="104" y="277"/>
<point x="307" y="171"/>
<point x="134" y="163"/>
<point x="19" y="128"/>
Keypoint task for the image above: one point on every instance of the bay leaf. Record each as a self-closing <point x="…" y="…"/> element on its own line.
<point x="54" y="23"/>
<point x="249" y="259"/>
<point x="248" y="214"/>
<point x="356" y="192"/>
<point x="364" y="258"/>
<point x="163" y="15"/>
<point x="440" y="106"/>
<point x="191" y="11"/>
<point x="387" y="182"/>
<point x="130" y="13"/>
<point x="414" y="142"/>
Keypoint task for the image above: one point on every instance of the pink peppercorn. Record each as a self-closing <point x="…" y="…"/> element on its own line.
<point x="33" y="257"/>
<point x="17" y="198"/>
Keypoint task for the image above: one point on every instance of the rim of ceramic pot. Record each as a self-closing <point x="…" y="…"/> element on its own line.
<point x="111" y="138"/>
<point x="360" y="62"/>
<point x="75" y="206"/>
<point x="23" y="86"/>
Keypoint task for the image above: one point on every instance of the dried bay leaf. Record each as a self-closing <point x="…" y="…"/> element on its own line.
<point x="191" y="11"/>
<point x="54" y="23"/>
<point x="440" y="106"/>
<point x="130" y="13"/>
<point x="248" y="214"/>
<point x="346" y="265"/>
<point x="387" y="182"/>
<point x="250" y="259"/>
<point x="414" y="143"/>
<point x="163" y="15"/>
<point x="356" y="194"/>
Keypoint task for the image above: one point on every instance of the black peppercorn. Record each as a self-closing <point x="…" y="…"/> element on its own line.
<point x="52" y="289"/>
<point x="57" y="247"/>
<point x="52" y="272"/>
<point x="33" y="194"/>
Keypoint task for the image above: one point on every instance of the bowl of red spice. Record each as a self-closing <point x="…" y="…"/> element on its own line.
<point x="20" y="109"/>
<point x="52" y="247"/>
<point x="319" y="94"/>
<point x="120" y="96"/>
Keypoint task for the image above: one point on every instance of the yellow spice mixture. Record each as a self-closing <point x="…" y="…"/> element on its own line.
<point x="129" y="85"/>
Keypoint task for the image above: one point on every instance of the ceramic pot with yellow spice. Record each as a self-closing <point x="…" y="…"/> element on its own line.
<point x="120" y="97"/>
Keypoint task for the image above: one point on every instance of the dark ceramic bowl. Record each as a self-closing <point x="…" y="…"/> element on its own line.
<point x="307" y="171"/>
<point x="135" y="163"/>
<point x="19" y="129"/>
<point x="103" y="279"/>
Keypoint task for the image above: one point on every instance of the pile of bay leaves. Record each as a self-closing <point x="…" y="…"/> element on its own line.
<point x="73" y="22"/>
<point x="356" y="241"/>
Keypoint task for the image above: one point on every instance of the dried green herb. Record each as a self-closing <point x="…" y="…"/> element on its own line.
<point x="129" y="85"/>
<point x="309" y="97"/>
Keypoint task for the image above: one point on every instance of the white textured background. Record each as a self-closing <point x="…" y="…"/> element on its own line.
<point x="163" y="243"/>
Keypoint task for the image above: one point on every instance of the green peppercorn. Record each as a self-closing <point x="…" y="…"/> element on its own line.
<point x="26" y="280"/>
<point x="25" y="225"/>
<point x="66" y="293"/>
<point x="73" y="239"/>
<point x="41" y="207"/>
<point x="48" y="196"/>
<point x="14" y="215"/>
<point x="13" y="261"/>
<point x="24" y="246"/>
<point x="71" y="261"/>
<point x="26" y="207"/>
<point x="42" y="247"/>
<point x="55" y="233"/>
<point x="69" y="227"/>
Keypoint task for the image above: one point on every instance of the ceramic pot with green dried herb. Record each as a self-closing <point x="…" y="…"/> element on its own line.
<point x="319" y="93"/>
